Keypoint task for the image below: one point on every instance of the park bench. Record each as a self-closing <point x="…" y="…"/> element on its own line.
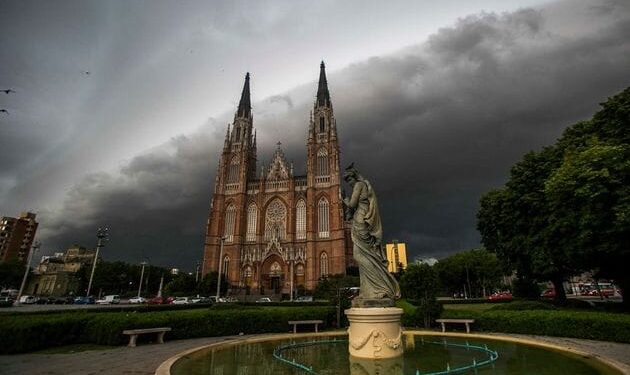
<point x="133" y="334"/>
<point x="295" y="323"/>
<point x="467" y="322"/>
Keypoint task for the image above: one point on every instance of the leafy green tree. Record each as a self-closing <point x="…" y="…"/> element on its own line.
<point x="182" y="284"/>
<point x="565" y="209"/>
<point x="11" y="274"/>
<point x="478" y="271"/>
<point x="208" y="285"/>
<point x="419" y="283"/>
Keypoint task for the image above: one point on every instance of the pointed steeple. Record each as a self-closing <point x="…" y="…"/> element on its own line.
<point x="244" y="106"/>
<point x="323" y="96"/>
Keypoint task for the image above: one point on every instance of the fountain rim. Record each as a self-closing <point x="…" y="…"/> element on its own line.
<point x="165" y="367"/>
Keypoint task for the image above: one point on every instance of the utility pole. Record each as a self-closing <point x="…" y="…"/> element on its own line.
<point x="141" y="277"/>
<point x="31" y="251"/>
<point x="220" y="268"/>
<point x="197" y="273"/>
<point x="102" y="235"/>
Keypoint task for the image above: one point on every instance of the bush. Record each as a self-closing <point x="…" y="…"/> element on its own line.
<point x="22" y="333"/>
<point x="593" y="325"/>
<point x="421" y="315"/>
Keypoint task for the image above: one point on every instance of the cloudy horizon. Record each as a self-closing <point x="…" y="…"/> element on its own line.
<point x="434" y="119"/>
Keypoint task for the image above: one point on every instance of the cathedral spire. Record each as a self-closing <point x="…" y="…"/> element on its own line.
<point x="323" y="96"/>
<point x="244" y="106"/>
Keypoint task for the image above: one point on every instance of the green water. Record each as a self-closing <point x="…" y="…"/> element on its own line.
<point x="424" y="354"/>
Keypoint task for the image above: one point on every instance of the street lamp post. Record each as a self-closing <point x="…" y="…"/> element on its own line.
<point x="31" y="251"/>
<point x="101" y="234"/>
<point x="220" y="269"/>
<point x="141" y="277"/>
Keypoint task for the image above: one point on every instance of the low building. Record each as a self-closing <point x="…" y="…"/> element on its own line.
<point x="58" y="275"/>
<point x="396" y="256"/>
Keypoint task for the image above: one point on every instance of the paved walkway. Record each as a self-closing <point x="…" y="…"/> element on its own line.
<point x="145" y="359"/>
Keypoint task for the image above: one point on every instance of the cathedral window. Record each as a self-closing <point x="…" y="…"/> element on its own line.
<point x="322" y="162"/>
<point x="233" y="170"/>
<point x="275" y="269"/>
<point x="323" y="265"/>
<point x="323" y="218"/>
<point x="252" y="218"/>
<point x="226" y="265"/>
<point x="322" y="126"/>
<point x="238" y="134"/>
<point x="300" y="220"/>
<point x="276" y="220"/>
<point x="230" y="221"/>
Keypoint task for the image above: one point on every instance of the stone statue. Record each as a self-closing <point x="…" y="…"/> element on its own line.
<point x="379" y="288"/>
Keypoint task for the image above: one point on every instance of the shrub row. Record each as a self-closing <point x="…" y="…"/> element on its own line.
<point x="23" y="333"/>
<point x="593" y="325"/>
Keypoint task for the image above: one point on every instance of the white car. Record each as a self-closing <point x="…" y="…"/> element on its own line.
<point x="28" y="300"/>
<point x="137" y="300"/>
<point x="181" y="301"/>
<point x="264" y="300"/>
<point x="113" y="299"/>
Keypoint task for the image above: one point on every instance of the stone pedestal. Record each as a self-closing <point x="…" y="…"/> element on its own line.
<point x="375" y="332"/>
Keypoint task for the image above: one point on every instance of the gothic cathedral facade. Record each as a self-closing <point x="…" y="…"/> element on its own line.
<point x="280" y="231"/>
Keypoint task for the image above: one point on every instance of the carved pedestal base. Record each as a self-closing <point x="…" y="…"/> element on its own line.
<point x="375" y="332"/>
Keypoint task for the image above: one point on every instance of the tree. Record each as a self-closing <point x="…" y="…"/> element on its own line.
<point x="566" y="208"/>
<point x="11" y="274"/>
<point x="419" y="283"/>
<point x="478" y="271"/>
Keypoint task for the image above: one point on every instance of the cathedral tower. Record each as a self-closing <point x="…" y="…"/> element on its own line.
<point x="279" y="230"/>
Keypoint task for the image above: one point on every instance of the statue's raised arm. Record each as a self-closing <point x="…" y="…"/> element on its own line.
<point x="378" y="286"/>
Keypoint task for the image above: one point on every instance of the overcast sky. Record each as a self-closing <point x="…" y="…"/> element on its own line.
<point x="120" y="108"/>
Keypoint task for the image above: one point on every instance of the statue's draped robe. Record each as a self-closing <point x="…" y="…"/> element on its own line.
<point x="367" y="232"/>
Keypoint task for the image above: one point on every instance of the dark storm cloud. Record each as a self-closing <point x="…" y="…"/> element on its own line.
<point x="434" y="127"/>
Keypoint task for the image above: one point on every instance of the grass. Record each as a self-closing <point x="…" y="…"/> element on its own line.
<point x="470" y="306"/>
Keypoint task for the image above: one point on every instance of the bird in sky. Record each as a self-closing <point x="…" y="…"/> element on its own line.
<point x="87" y="73"/>
<point x="8" y="91"/>
<point x="4" y="111"/>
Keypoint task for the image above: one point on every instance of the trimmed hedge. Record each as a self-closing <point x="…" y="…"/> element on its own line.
<point x="34" y="332"/>
<point x="592" y="325"/>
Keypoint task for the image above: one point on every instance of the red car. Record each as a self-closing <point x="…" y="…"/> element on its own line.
<point x="160" y="301"/>
<point x="501" y="296"/>
<point x="549" y="293"/>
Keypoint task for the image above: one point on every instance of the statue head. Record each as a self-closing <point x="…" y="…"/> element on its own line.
<point x="351" y="174"/>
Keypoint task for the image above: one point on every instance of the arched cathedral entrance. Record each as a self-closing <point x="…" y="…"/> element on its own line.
<point x="273" y="275"/>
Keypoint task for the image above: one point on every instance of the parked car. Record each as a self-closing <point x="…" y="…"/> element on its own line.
<point x="549" y="293"/>
<point x="304" y="299"/>
<point x="112" y="299"/>
<point x="181" y="301"/>
<point x="264" y="300"/>
<point x="84" y="300"/>
<point x="28" y="300"/>
<point x="137" y="300"/>
<point x="501" y="296"/>
<point x="157" y="301"/>
<point x="201" y="299"/>
<point x="6" y="302"/>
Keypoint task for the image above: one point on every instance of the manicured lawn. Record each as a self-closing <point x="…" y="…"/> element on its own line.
<point x="470" y="306"/>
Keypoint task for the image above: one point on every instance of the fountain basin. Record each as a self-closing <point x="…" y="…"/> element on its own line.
<point x="426" y="352"/>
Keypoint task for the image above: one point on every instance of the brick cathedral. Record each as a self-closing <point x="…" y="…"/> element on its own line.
<point x="280" y="230"/>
